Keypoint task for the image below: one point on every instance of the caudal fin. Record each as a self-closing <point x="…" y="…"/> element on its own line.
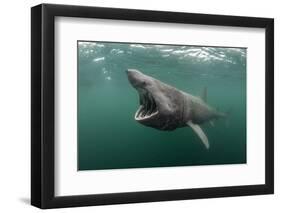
<point x="225" y="116"/>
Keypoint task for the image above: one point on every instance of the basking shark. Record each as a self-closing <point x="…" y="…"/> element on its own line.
<point x="164" y="107"/>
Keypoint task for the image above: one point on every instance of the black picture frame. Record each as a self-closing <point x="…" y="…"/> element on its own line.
<point x="43" y="102"/>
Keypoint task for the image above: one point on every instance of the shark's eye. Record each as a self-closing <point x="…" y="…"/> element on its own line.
<point x="143" y="83"/>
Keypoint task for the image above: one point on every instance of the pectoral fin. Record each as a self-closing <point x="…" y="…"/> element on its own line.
<point x="196" y="128"/>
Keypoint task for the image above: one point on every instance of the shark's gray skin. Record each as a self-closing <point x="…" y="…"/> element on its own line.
<point x="164" y="107"/>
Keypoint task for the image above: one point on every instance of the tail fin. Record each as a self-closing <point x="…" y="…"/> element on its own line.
<point x="228" y="112"/>
<point x="226" y="117"/>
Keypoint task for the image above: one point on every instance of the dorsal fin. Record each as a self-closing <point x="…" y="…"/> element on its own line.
<point x="204" y="94"/>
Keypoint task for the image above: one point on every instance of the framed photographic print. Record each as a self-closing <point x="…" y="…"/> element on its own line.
<point x="139" y="106"/>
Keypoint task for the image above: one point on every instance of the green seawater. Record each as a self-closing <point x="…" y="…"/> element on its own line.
<point x="110" y="138"/>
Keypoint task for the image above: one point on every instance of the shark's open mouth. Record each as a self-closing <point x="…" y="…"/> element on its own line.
<point x="148" y="107"/>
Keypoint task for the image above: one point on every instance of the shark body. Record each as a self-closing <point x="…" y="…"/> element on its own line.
<point x="164" y="107"/>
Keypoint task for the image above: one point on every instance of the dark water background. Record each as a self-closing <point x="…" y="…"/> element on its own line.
<point x="110" y="138"/>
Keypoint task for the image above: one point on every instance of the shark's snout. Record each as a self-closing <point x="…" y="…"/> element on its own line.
<point x="132" y="73"/>
<point x="148" y="107"/>
<point x="135" y="77"/>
